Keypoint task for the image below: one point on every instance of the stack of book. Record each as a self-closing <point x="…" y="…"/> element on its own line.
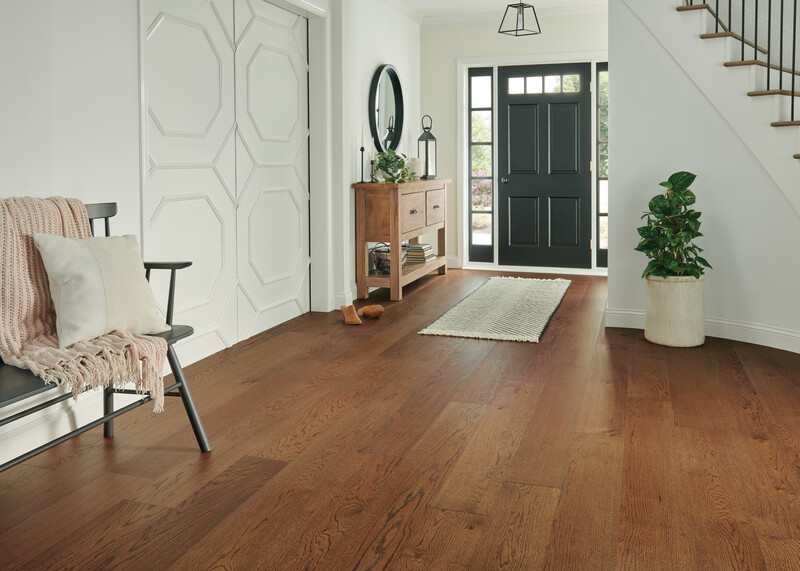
<point x="420" y="253"/>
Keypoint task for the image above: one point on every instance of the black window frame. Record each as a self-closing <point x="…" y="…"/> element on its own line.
<point x="601" y="253"/>
<point x="480" y="252"/>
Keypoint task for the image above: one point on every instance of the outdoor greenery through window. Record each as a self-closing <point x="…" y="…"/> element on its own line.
<point x="602" y="164"/>
<point x="480" y="152"/>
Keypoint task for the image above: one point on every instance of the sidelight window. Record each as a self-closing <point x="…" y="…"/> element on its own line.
<point x="602" y="165"/>
<point x="481" y="155"/>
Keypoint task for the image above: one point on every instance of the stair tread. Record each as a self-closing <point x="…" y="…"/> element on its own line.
<point x="797" y="156"/>
<point x="704" y="7"/>
<point x="733" y="35"/>
<point x="772" y="92"/>
<point x="785" y="123"/>
<point x="762" y="64"/>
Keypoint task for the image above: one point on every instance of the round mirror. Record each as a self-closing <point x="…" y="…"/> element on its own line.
<point x="386" y="108"/>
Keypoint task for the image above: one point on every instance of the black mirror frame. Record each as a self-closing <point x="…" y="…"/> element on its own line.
<point x="398" y="102"/>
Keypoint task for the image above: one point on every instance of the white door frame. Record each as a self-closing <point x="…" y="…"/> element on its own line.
<point x="320" y="175"/>
<point x="463" y="161"/>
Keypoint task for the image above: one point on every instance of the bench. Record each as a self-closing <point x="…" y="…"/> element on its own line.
<point x="19" y="384"/>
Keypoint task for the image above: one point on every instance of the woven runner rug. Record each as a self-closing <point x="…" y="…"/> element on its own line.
<point x="503" y="308"/>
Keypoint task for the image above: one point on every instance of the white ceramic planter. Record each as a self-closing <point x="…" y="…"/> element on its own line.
<point x="675" y="311"/>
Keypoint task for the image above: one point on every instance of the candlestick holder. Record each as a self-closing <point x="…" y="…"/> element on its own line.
<point x="372" y="171"/>
<point x="362" y="164"/>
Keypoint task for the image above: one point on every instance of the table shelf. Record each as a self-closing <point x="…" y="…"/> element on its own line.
<point x="393" y="213"/>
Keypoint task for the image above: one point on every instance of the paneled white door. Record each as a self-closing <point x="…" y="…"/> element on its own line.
<point x="272" y="165"/>
<point x="231" y="198"/>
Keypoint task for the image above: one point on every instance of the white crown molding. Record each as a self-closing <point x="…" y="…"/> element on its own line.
<point x="544" y="10"/>
<point x="405" y="9"/>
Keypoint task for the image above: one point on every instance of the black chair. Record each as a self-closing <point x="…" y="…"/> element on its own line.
<point x="19" y="384"/>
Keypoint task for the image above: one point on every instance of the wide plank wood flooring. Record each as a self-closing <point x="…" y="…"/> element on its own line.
<point x="372" y="447"/>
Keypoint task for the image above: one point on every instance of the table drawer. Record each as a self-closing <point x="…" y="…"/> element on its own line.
<point x="434" y="208"/>
<point x="412" y="211"/>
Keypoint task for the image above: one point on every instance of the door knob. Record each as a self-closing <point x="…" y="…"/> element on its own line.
<point x="504" y="180"/>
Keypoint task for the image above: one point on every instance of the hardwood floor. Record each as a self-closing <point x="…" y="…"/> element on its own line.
<point x="341" y="447"/>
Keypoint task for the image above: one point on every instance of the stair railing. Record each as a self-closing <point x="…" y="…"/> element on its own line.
<point x="778" y="54"/>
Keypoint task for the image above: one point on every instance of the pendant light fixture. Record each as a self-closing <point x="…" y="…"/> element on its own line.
<point x="520" y="20"/>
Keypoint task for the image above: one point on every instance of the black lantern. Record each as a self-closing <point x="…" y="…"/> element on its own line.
<point x="520" y="20"/>
<point x="426" y="148"/>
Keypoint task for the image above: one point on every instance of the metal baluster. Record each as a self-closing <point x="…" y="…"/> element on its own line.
<point x="780" y="58"/>
<point x="794" y="59"/>
<point x="716" y="17"/>
<point x="769" y="43"/>
<point x="755" y="38"/>
<point x="730" y="14"/>
<point x="743" y="30"/>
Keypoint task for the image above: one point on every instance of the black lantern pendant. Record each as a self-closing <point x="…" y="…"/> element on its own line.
<point x="520" y="20"/>
<point x="426" y="147"/>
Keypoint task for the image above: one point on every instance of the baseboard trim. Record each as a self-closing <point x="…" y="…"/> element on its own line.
<point x="343" y="298"/>
<point x="755" y="333"/>
<point x="39" y="428"/>
<point x="536" y="269"/>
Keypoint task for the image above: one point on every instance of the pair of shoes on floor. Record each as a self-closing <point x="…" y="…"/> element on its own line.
<point x="352" y="317"/>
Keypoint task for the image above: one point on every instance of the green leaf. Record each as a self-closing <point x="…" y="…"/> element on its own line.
<point x="703" y="261"/>
<point x="685" y="197"/>
<point x="666" y="184"/>
<point x="682" y="180"/>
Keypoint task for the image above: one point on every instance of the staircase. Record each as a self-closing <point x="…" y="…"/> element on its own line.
<point x="759" y="36"/>
<point x="716" y="66"/>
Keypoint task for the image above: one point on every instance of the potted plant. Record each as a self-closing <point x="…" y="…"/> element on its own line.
<point x="393" y="166"/>
<point x="674" y="276"/>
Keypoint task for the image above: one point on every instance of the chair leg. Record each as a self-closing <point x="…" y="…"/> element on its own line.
<point x="108" y="408"/>
<point x="188" y="402"/>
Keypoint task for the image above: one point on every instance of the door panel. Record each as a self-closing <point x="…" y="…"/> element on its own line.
<point x="272" y="188"/>
<point x="564" y="221"/>
<point x="544" y="195"/>
<point x="188" y="207"/>
<point x="524" y="221"/>
<point x="227" y="150"/>
<point x="564" y="138"/>
<point x="523" y="136"/>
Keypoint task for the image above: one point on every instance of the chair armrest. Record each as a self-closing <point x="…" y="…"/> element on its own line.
<point x="166" y="265"/>
<point x="173" y="267"/>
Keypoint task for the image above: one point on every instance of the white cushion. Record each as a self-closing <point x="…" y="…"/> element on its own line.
<point x="98" y="285"/>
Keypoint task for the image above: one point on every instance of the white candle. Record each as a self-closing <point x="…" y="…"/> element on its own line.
<point x="362" y="134"/>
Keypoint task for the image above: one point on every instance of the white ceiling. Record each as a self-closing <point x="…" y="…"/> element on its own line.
<point x="440" y="9"/>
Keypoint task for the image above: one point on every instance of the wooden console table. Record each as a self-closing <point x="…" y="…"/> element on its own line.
<point x="393" y="212"/>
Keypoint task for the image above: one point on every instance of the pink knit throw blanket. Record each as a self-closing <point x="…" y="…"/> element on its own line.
<point x="28" y="338"/>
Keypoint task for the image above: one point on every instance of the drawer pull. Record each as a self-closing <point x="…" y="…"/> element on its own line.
<point x="435" y="206"/>
<point x="415" y="211"/>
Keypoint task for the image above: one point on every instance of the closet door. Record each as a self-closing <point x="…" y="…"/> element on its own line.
<point x="226" y="86"/>
<point x="190" y="198"/>
<point x="272" y="165"/>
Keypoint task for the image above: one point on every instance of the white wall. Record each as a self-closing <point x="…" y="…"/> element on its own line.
<point x="69" y="102"/>
<point x="368" y="33"/>
<point x="660" y="122"/>
<point x="444" y="44"/>
<point x="69" y="126"/>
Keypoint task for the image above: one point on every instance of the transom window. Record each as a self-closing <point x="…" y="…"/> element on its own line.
<point x="544" y="84"/>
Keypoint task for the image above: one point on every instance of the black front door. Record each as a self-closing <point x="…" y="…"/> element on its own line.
<point x="544" y="128"/>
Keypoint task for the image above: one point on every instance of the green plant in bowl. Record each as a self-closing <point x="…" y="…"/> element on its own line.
<point x="393" y="166"/>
